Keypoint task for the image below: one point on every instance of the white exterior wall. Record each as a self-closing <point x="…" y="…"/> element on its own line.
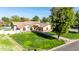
<point x="14" y="28"/>
<point x="27" y="28"/>
<point x="21" y="29"/>
<point x="45" y="28"/>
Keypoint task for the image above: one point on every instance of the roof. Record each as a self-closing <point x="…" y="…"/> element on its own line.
<point x="42" y="24"/>
<point x="22" y="24"/>
<point x="1" y="22"/>
<point x="31" y="23"/>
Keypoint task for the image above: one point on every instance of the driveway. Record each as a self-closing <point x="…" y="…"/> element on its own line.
<point x="8" y="32"/>
<point x="70" y="47"/>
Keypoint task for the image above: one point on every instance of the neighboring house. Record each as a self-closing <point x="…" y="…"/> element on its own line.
<point x="1" y="22"/>
<point x="31" y="25"/>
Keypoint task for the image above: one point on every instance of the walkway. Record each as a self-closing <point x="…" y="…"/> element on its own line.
<point x="65" y="39"/>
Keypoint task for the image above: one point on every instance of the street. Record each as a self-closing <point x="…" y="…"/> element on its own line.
<point x="71" y="47"/>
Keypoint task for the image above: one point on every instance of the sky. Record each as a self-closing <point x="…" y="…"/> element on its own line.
<point x="28" y="12"/>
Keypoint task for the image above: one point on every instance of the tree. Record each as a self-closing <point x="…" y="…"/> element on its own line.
<point x="48" y="19"/>
<point x="77" y="19"/>
<point x="12" y="26"/>
<point x="24" y="19"/>
<point x="35" y="18"/>
<point x="16" y="18"/>
<point x="6" y="20"/>
<point x="61" y="19"/>
<point x="44" y="19"/>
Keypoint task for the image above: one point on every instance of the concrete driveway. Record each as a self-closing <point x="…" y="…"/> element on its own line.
<point x="70" y="47"/>
<point x="8" y="32"/>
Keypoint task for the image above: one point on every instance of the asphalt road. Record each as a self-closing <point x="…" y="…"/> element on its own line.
<point x="71" y="47"/>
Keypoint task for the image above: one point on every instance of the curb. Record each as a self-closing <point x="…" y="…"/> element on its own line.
<point x="62" y="45"/>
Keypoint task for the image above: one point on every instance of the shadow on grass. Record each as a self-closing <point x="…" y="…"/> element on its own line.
<point x="44" y="35"/>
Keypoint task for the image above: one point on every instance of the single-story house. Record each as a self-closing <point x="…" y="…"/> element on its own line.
<point x="31" y="25"/>
<point x="1" y="22"/>
<point x="42" y="27"/>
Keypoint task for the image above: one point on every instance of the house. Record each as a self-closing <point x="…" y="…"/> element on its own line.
<point x="1" y="22"/>
<point x="23" y="26"/>
<point x="31" y="25"/>
<point x="42" y="27"/>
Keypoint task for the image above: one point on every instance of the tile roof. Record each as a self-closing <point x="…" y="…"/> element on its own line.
<point x="31" y="23"/>
<point x="22" y="24"/>
<point x="42" y="24"/>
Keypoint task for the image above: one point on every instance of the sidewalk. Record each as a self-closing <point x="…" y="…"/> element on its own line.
<point x="65" y="39"/>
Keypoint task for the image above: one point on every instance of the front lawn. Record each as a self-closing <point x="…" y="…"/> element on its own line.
<point x="6" y="44"/>
<point x="71" y="35"/>
<point x="32" y="41"/>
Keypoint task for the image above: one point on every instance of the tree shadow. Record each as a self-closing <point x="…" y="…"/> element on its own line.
<point x="44" y="35"/>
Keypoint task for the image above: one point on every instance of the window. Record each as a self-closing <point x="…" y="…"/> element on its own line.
<point x="17" y="28"/>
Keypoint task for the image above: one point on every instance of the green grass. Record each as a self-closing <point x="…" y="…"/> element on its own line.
<point x="6" y="44"/>
<point x="71" y="35"/>
<point x="1" y="27"/>
<point x="30" y="40"/>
